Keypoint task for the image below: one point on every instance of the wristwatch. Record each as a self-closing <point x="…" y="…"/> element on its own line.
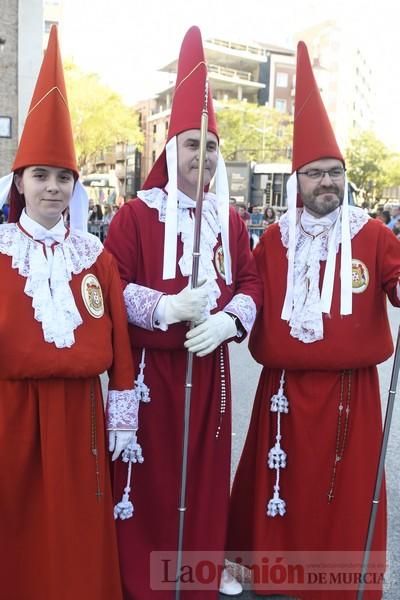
<point x="238" y="325"/>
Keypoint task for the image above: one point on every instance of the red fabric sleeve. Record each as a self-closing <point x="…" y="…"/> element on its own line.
<point x="121" y="372"/>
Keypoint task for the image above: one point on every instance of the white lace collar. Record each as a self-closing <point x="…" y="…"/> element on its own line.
<point x="357" y="217"/>
<point x="306" y="321"/>
<point x="52" y="299"/>
<point x="157" y="199"/>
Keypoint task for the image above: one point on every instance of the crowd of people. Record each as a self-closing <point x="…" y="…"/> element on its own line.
<point x="100" y="217"/>
<point x="156" y="307"/>
<point x="390" y="216"/>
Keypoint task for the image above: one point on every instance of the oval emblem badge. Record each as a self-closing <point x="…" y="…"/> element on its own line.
<point x="92" y="296"/>
<point x="219" y="261"/>
<point x="360" y="276"/>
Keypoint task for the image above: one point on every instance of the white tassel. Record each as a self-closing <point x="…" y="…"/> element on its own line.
<point x="132" y="454"/>
<point x="141" y="390"/>
<point x="124" y="509"/>
<point x="277" y="456"/>
<point x="276" y="506"/>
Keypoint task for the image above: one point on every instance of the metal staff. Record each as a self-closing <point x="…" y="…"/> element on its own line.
<point x="189" y="364"/>
<point x="381" y="466"/>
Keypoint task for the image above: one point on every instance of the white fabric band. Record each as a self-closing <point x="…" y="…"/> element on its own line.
<point x="171" y="219"/>
<point x="291" y="189"/>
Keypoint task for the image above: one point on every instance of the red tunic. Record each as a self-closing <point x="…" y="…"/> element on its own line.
<point x="136" y="239"/>
<point x="312" y="431"/>
<point x="57" y="533"/>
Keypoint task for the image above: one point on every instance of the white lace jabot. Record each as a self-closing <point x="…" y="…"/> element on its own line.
<point x="52" y="299"/>
<point x="312" y="238"/>
<point x="210" y="228"/>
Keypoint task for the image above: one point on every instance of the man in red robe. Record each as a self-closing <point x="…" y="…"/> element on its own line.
<point x="62" y="324"/>
<point x="152" y="240"/>
<point x="303" y="490"/>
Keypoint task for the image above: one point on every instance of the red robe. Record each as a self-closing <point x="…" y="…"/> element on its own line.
<point x="57" y="529"/>
<point x="312" y="432"/>
<point x="136" y="239"/>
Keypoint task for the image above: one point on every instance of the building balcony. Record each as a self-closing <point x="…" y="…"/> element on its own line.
<point x="229" y="73"/>
<point x="249" y="50"/>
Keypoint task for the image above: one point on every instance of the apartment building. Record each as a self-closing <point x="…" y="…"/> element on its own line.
<point x="344" y="75"/>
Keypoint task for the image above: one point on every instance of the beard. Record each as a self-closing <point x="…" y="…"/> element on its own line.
<point x="323" y="200"/>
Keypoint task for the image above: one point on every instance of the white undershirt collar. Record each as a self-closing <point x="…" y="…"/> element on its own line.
<point x="40" y="233"/>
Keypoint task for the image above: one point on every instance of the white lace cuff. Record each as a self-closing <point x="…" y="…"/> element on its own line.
<point x="122" y="410"/>
<point x="244" y="308"/>
<point x="141" y="303"/>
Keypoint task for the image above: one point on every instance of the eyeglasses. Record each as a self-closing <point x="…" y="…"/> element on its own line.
<point x="317" y="174"/>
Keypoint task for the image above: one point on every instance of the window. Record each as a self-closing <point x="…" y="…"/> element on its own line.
<point x="153" y="157"/>
<point x="155" y="128"/>
<point x="282" y="80"/>
<point x="280" y="105"/>
<point x="5" y="127"/>
<point x="48" y="25"/>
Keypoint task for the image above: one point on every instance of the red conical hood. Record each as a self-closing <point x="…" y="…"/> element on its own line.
<point x="188" y="100"/>
<point x="47" y="136"/>
<point x="313" y="136"/>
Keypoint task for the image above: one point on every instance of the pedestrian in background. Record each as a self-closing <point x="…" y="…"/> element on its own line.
<point x="96" y="214"/>
<point x="394" y="217"/>
<point x="269" y="217"/>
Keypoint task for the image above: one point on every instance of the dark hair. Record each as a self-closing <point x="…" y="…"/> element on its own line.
<point x="269" y="208"/>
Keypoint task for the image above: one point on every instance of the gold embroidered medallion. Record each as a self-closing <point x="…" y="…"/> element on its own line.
<point x="92" y="296"/>
<point x="359" y="275"/>
<point x="219" y="261"/>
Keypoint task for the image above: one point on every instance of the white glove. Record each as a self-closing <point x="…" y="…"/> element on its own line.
<point x="204" y="338"/>
<point x="188" y="305"/>
<point x="119" y="439"/>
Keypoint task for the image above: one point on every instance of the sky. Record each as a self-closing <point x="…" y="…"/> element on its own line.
<point x="127" y="41"/>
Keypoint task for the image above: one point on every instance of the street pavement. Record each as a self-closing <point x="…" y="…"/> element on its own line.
<point x="245" y="374"/>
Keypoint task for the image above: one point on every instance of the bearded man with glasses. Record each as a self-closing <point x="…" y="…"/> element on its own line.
<point x="303" y="489"/>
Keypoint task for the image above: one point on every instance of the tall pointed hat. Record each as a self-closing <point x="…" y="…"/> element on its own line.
<point x="186" y="111"/>
<point x="314" y="139"/>
<point x="313" y="136"/>
<point x="188" y="101"/>
<point x="47" y="137"/>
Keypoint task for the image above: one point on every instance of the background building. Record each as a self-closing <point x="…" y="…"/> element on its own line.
<point x="52" y="15"/>
<point x="112" y="175"/>
<point x="21" y="45"/>
<point x="344" y="76"/>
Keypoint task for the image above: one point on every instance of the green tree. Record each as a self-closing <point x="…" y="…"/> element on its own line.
<point x="251" y="132"/>
<point x="392" y="168"/>
<point x="99" y="116"/>
<point x="367" y="160"/>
